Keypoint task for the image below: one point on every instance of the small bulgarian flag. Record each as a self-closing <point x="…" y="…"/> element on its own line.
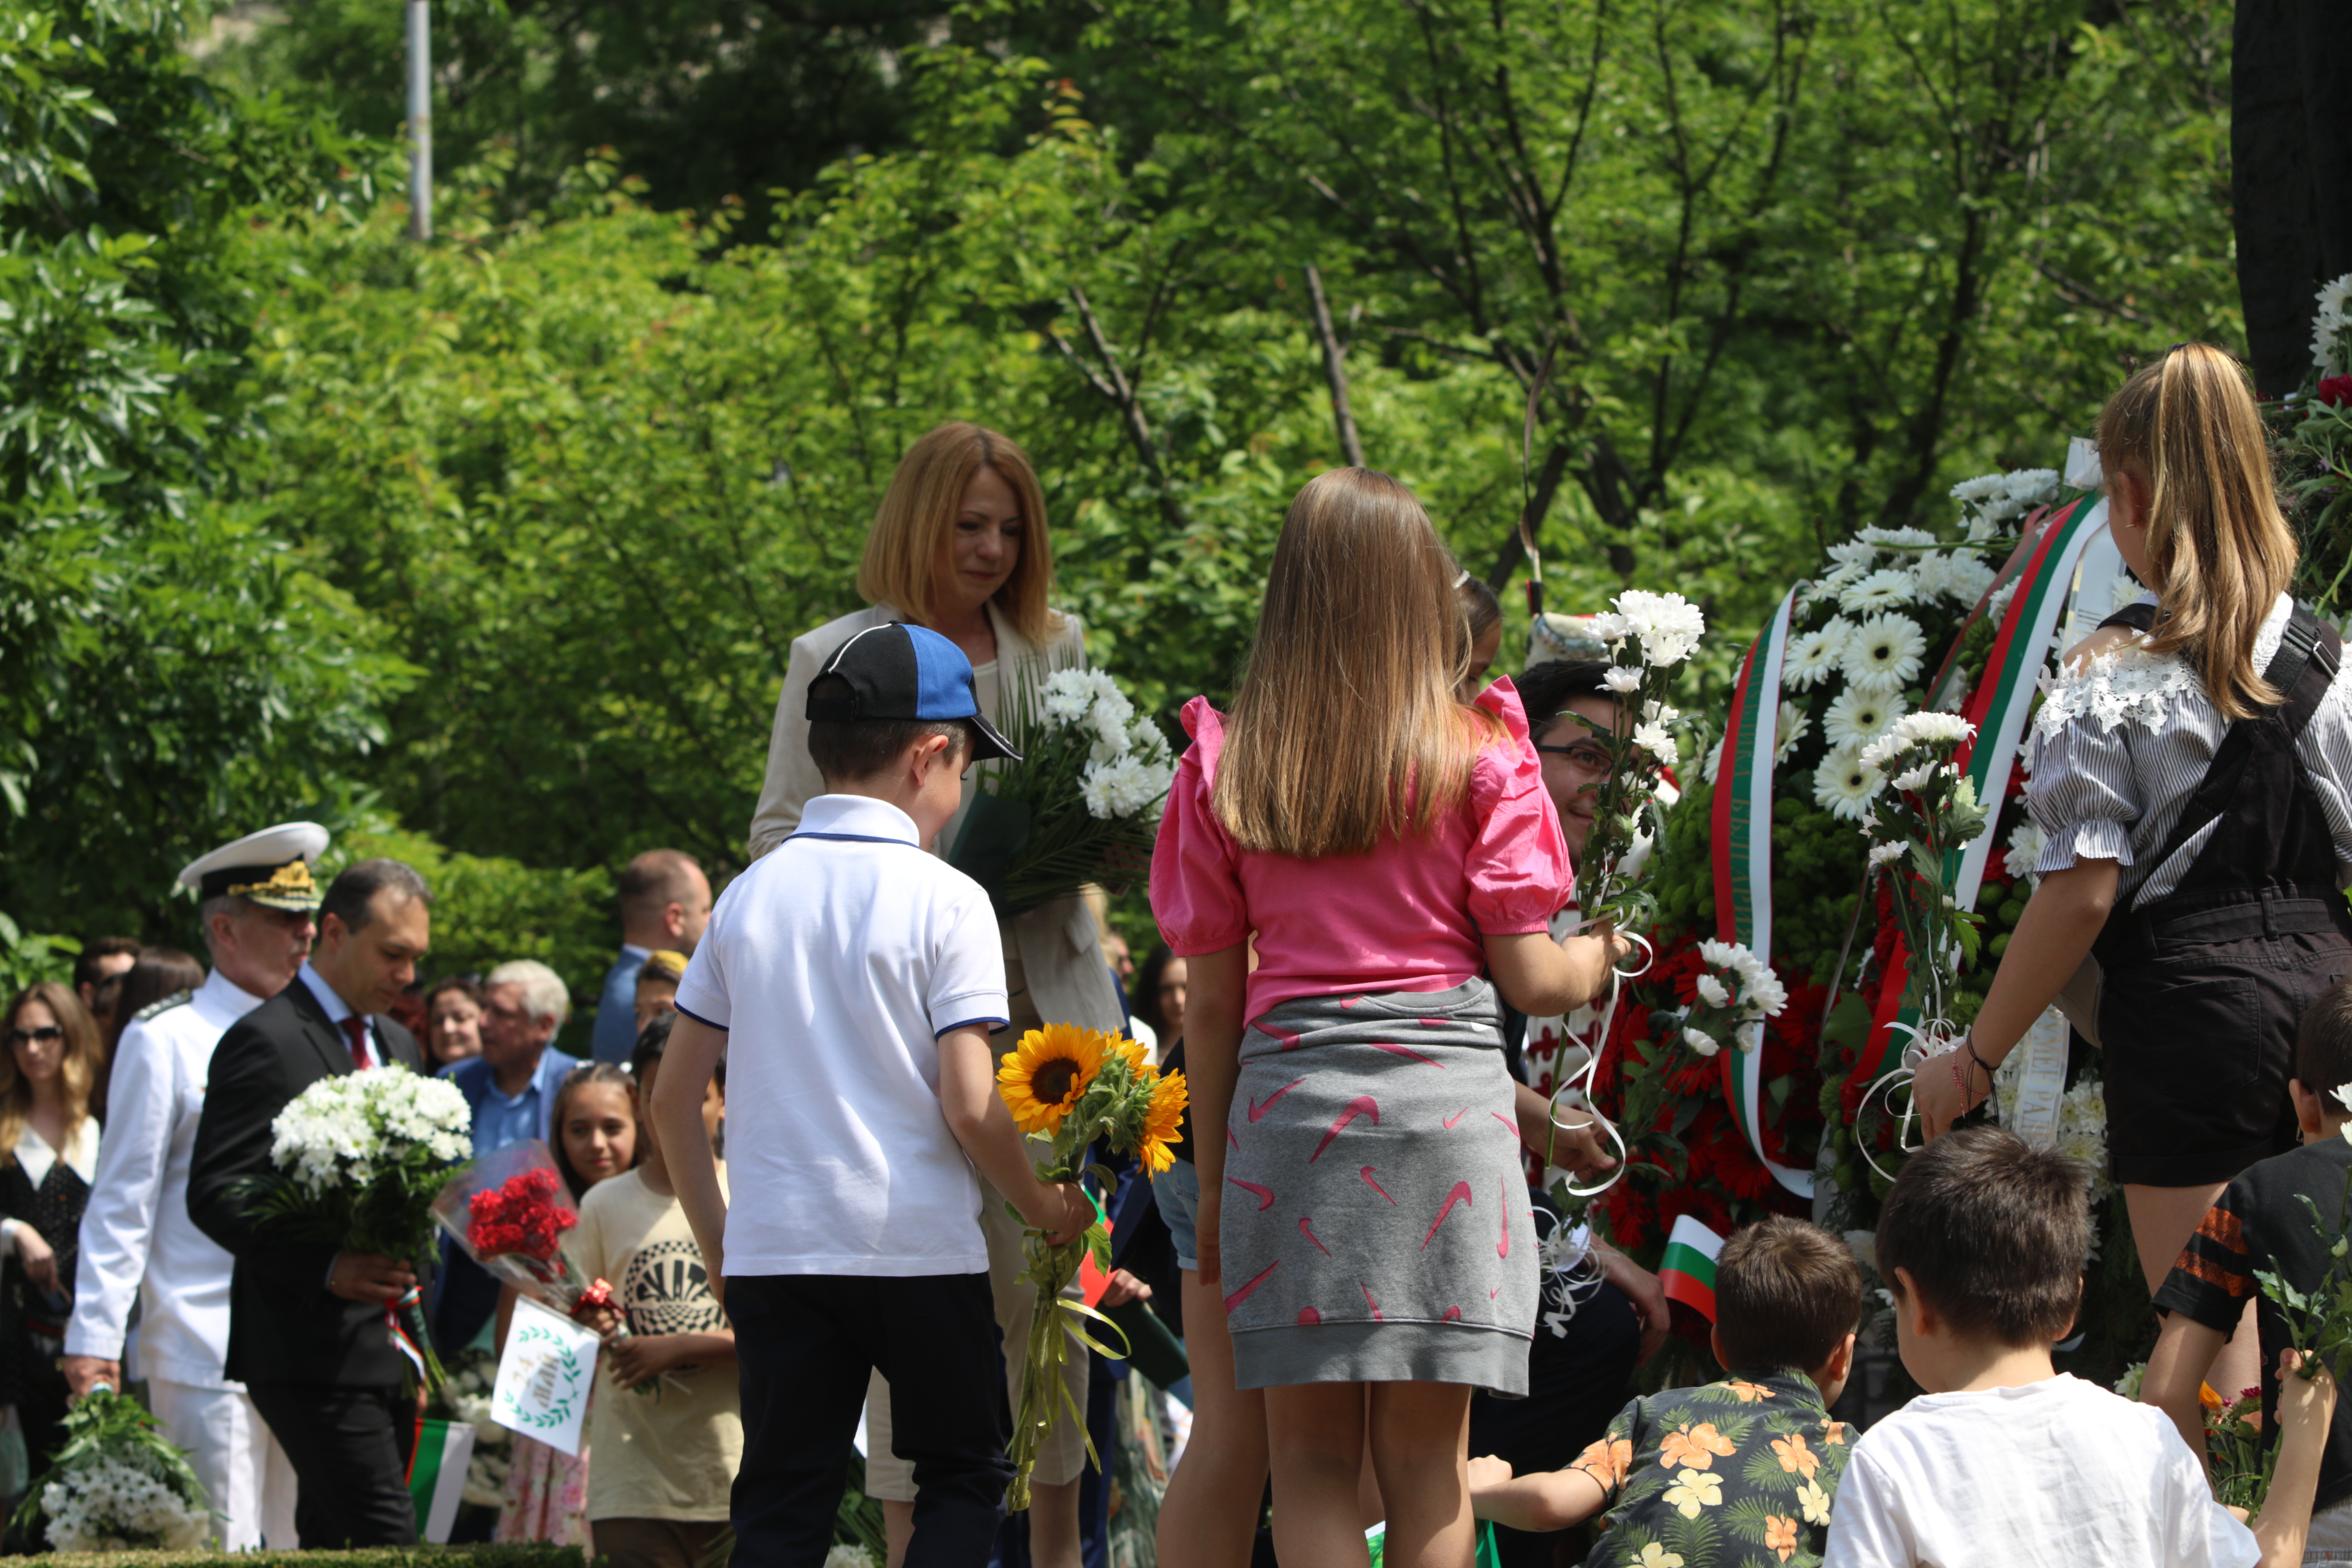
<point x="1687" y="1271"/>
<point x="437" y="1475"/>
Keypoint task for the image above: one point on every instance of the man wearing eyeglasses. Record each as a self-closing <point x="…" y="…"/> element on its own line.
<point x="257" y="905"/>
<point x="1584" y="1350"/>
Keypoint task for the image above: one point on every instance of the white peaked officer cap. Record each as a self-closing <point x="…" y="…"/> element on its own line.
<point x="271" y="867"/>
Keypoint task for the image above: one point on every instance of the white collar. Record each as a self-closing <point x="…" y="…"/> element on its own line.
<point x="34" y="1153"/>
<point x="218" y="987"/>
<point x="856" y="817"/>
<point x="337" y="1008"/>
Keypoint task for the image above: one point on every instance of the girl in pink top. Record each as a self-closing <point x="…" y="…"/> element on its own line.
<point x="1384" y="848"/>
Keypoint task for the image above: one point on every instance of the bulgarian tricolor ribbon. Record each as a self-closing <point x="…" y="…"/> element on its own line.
<point x="1998" y="709"/>
<point x="1686" y="1272"/>
<point x="1743" y="858"/>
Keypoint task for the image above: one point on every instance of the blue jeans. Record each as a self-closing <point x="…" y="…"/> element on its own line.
<point x="1177" y="1190"/>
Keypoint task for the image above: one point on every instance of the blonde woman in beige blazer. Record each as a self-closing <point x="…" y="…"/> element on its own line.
<point x="959" y="545"/>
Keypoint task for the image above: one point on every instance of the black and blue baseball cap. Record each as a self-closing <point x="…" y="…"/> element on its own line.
<point x="899" y="671"/>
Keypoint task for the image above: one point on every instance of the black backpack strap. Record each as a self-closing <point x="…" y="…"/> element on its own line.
<point x="2306" y="641"/>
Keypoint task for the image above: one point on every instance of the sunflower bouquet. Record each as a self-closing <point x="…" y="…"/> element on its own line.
<point x="1075" y="1087"/>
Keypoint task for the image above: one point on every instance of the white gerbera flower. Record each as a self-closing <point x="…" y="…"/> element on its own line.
<point x="1620" y="679"/>
<point x="1814" y="657"/>
<point x="1882" y="590"/>
<point x="1885" y="653"/>
<point x="1790" y="727"/>
<point x="1855" y="718"/>
<point x="1843" y="786"/>
<point x="1887" y="853"/>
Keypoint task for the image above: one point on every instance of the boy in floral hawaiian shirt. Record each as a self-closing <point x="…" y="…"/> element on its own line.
<point x="1735" y="1473"/>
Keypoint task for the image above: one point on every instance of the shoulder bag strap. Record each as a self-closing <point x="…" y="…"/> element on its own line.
<point x="2305" y="639"/>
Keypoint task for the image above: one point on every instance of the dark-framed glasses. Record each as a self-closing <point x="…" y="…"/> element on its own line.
<point x="1590" y="755"/>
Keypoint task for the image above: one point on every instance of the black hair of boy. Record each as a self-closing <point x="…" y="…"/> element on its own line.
<point x="653" y="1043"/>
<point x="1787" y="1293"/>
<point x="846" y="751"/>
<point x="1546" y="691"/>
<point x="1995" y="1232"/>
<point x="2323" y="1045"/>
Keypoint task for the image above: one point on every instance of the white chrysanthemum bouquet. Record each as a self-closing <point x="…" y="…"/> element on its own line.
<point x="1924" y="813"/>
<point x="1734" y="996"/>
<point x="1646" y="636"/>
<point x="117" y="1485"/>
<point x="361" y="1157"/>
<point x="1083" y="804"/>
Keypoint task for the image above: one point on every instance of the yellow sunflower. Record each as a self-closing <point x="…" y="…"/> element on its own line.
<point x="1043" y="1077"/>
<point x="1162" y="1120"/>
<point x="1138" y="1060"/>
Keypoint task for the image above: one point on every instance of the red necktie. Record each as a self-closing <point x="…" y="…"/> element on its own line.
<point x="355" y="1030"/>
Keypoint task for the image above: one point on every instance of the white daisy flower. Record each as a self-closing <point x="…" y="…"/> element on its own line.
<point x="1713" y="992"/>
<point x="1620" y="679"/>
<point x="1703" y="1044"/>
<point x="1885" y="653"/>
<point x="1887" y="853"/>
<point x="1916" y="778"/>
<point x="1843" y="786"/>
<point x="1855" y="717"/>
<point x="1882" y="590"/>
<point x="1654" y="739"/>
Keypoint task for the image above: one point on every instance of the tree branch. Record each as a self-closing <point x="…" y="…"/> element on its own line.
<point x="1508" y="559"/>
<point x="1111" y="384"/>
<point x="1334" y="371"/>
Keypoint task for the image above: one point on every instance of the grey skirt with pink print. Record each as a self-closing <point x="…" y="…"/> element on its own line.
<point x="1376" y="1224"/>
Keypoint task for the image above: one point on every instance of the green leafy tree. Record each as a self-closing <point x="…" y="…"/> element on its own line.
<point x="169" y="674"/>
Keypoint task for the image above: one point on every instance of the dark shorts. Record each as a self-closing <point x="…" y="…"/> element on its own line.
<point x="2198" y="1027"/>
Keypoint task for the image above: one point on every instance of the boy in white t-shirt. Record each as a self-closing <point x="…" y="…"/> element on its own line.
<point x="2005" y="1461"/>
<point x="852" y="982"/>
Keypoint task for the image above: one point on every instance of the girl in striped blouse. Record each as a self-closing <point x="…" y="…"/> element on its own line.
<point x="2202" y="877"/>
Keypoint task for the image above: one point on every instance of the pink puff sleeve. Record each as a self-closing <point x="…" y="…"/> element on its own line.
<point x="1517" y="864"/>
<point x="1196" y="885"/>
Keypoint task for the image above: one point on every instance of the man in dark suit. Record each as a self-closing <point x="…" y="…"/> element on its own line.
<point x="307" y="1330"/>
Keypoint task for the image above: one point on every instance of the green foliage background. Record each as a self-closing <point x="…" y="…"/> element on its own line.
<point x="489" y="549"/>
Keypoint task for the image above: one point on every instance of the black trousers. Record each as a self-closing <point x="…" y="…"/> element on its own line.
<point x="349" y="1447"/>
<point x="805" y="1343"/>
<point x="1576" y="1386"/>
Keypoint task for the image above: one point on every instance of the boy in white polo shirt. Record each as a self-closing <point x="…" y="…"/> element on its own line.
<point x="851" y="981"/>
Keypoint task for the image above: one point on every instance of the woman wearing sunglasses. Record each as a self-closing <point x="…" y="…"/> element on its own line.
<point x="48" y="1151"/>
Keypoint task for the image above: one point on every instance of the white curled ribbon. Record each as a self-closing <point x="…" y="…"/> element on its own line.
<point x="1933" y="1038"/>
<point x="1570" y="1274"/>
<point x="1580" y="1083"/>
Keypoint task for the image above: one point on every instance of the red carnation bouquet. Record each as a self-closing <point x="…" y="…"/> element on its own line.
<point x="508" y="1210"/>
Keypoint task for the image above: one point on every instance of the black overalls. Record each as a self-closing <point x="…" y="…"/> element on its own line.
<point x="2204" y="989"/>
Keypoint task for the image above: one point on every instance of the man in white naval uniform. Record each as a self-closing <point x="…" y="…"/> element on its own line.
<point x="137" y="1241"/>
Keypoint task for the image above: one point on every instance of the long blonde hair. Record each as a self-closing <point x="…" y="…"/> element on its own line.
<point x="1345" y="729"/>
<point x="76" y="1073"/>
<point x="2187" y="428"/>
<point x="914" y="529"/>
